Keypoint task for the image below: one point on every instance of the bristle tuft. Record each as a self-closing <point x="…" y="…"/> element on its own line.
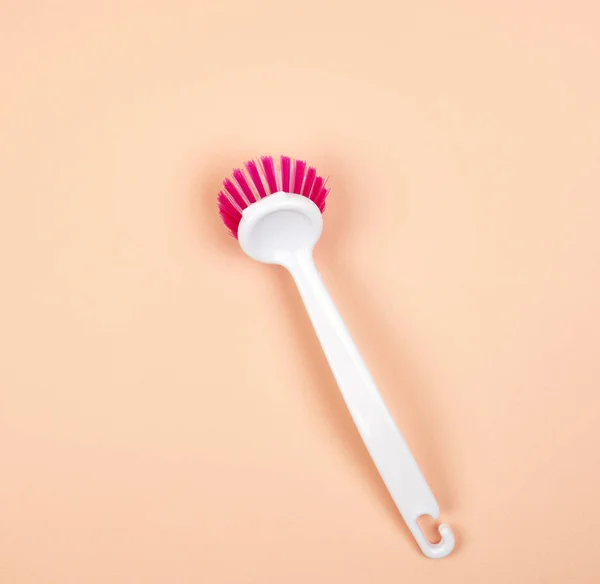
<point x="316" y="189"/>
<point x="321" y="195"/>
<point x="299" y="169"/>
<point x="255" y="176"/>
<point x="235" y="195"/>
<point x="240" y="178"/>
<point x="308" y="183"/>
<point x="322" y="203"/>
<point x="256" y="181"/>
<point x="269" y="170"/>
<point x="230" y="213"/>
<point x="286" y="163"/>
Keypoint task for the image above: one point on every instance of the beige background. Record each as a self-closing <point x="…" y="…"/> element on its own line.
<point x="166" y="415"/>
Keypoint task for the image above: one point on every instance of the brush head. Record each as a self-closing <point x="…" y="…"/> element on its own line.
<point x="259" y="179"/>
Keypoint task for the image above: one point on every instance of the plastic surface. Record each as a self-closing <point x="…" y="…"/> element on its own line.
<point x="283" y="229"/>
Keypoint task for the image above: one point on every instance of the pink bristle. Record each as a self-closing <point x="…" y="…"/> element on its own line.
<point x="255" y="176"/>
<point x="235" y="194"/>
<point x="320" y="196"/>
<point x="229" y="214"/>
<point x="308" y="183"/>
<point x="299" y="169"/>
<point x="240" y="178"/>
<point x="269" y="170"/>
<point x="320" y="201"/>
<point x="285" y="173"/>
<point x="226" y="205"/>
<point x="316" y="189"/>
<point x="261" y="180"/>
<point x="231" y="225"/>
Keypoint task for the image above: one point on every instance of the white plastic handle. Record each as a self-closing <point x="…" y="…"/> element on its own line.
<point x="385" y="444"/>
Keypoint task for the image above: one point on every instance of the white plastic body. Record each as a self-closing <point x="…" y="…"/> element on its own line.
<point x="283" y="229"/>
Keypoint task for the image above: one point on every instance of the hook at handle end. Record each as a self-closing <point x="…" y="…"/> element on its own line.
<point x="435" y="550"/>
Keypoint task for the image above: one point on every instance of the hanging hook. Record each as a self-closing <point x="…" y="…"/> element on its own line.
<point x="434" y="550"/>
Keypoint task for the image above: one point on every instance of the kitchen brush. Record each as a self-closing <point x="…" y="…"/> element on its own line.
<point x="275" y="211"/>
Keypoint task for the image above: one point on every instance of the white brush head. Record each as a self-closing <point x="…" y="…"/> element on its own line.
<point x="278" y="227"/>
